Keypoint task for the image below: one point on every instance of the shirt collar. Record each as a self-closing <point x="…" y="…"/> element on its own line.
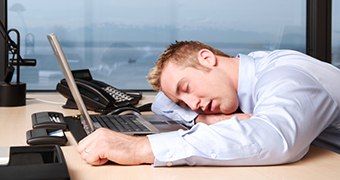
<point x="246" y="83"/>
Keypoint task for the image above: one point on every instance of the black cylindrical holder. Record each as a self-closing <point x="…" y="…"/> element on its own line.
<point x="12" y="94"/>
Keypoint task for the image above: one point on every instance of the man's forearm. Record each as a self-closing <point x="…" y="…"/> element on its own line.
<point x="144" y="151"/>
<point x="215" y="118"/>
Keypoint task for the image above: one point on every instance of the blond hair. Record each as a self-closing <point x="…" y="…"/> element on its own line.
<point x="183" y="54"/>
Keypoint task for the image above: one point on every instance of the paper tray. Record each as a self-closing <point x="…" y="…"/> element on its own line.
<point x="35" y="162"/>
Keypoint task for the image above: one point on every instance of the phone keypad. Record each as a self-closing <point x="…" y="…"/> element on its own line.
<point x="118" y="95"/>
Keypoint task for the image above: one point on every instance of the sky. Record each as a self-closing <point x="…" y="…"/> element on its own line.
<point x="260" y="21"/>
<point x="264" y="15"/>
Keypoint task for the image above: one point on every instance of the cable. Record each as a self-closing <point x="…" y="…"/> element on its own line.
<point x="46" y="101"/>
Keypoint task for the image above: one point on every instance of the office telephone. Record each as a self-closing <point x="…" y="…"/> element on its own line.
<point x="97" y="95"/>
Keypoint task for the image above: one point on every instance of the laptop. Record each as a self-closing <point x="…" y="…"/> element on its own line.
<point x="83" y="124"/>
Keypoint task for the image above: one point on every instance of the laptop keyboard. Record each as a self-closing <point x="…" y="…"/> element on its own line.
<point x="127" y="123"/>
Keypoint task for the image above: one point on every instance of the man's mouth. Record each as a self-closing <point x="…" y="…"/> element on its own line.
<point x="208" y="107"/>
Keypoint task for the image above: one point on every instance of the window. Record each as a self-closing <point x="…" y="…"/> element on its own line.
<point x="336" y="33"/>
<point x="119" y="41"/>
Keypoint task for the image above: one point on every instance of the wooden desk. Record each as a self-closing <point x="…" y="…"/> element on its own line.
<point x="15" y="121"/>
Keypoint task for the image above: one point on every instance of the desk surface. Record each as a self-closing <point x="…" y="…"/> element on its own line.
<point x="317" y="164"/>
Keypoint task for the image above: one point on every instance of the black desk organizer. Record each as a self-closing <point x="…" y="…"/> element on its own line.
<point x="35" y="162"/>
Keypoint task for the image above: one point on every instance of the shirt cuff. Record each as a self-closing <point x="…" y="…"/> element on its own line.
<point x="164" y="151"/>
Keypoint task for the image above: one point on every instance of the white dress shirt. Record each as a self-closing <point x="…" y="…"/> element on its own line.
<point x="293" y="98"/>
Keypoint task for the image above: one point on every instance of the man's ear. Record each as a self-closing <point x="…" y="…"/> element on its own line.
<point x="207" y="58"/>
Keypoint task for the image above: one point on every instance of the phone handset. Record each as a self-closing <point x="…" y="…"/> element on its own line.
<point x="103" y="96"/>
<point x="97" y="95"/>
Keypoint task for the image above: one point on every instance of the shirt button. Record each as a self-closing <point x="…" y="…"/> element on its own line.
<point x="169" y="164"/>
<point x="169" y="154"/>
<point x="213" y="155"/>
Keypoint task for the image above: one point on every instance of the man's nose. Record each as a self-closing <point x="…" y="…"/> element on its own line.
<point x="192" y="102"/>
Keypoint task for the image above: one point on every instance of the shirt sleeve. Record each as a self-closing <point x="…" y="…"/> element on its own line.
<point x="162" y="105"/>
<point x="290" y="111"/>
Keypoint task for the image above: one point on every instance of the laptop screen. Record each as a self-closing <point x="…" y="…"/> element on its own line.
<point x="84" y="115"/>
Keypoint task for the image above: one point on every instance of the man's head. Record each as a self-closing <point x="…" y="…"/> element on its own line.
<point x="182" y="53"/>
<point x="191" y="73"/>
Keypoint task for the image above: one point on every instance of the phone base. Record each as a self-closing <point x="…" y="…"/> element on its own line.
<point x="12" y="94"/>
<point x="70" y="104"/>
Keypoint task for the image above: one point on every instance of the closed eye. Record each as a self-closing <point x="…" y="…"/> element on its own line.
<point x="186" y="88"/>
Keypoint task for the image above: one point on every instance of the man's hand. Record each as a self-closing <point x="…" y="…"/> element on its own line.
<point x="104" y="145"/>
<point x="215" y="118"/>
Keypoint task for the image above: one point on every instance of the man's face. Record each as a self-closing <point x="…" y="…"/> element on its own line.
<point x="202" y="91"/>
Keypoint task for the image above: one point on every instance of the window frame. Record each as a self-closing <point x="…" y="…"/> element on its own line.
<point x="3" y="47"/>
<point x="319" y="29"/>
